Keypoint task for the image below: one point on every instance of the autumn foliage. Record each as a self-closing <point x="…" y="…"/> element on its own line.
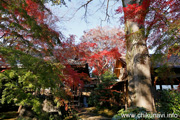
<point x="137" y="9"/>
<point x="29" y="42"/>
<point x="161" y="21"/>
<point x="24" y="26"/>
<point x="102" y="46"/>
<point x="27" y="39"/>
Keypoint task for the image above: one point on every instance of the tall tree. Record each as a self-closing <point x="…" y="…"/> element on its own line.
<point x="151" y="20"/>
<point x="137" y="56"/>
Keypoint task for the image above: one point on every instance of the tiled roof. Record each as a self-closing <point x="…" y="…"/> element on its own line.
<point x="76" y="62"/>
<point x="172" y="61"/>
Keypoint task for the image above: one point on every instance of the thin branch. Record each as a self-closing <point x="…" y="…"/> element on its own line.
<point x="2" y="36"/>
<point x="104" y="65"/>
<point x="107" y="14"/>
<point x="107" y="7"/>
<point x="84" y="5"/>
<point x="100" y="7"/>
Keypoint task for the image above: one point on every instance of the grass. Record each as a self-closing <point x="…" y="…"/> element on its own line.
<point x="104" y="112"/>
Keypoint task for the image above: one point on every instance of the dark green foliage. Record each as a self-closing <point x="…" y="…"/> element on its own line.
<point x="103" y="96"/>
<point x="133" y="113"/>
<point x="168" y="101"/>
<point x="27" y="76"/>
<point x="108" y="78"/>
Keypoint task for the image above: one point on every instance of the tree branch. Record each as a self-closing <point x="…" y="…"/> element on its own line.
<point x="2" y="36"/>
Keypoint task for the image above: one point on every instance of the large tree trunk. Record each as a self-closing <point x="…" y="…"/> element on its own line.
<point x="138" y="63"/>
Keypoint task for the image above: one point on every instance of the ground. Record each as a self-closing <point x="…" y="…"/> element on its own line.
<point x="83" y="114"/>
<point x="88" y="114"/>
<point x="10" y="115"/>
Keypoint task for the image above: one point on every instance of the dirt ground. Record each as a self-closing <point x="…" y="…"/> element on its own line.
<point x="11" y="115"/>
<point x="84" y="114"/>
<point x="87" y="114"/>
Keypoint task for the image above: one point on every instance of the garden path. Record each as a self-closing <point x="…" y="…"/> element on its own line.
<point x="87" y="114"/>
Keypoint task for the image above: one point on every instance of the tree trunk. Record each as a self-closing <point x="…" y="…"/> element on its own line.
<point x="138" y="63"/>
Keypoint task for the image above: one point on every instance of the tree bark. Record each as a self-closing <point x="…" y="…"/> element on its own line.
<point x="138" y="63"/>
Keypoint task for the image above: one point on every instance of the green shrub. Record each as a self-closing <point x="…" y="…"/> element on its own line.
<point x="168" y="102"/>
<point x="23" y="82"/>
<point x="133" y="113"/>
<point x="103" y="97"/>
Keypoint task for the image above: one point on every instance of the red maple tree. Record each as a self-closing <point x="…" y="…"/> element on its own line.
<point x="24" y="26"/>
<point x="102" y="46"/>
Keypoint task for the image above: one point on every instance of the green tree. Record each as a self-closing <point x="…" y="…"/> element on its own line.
<point x="23" y="82"/>
<point x="27" y="43"/>
<point x="103" y="96"/>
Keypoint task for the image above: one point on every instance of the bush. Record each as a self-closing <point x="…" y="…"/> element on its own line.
<point x="133" y="113"/>
<point x="103" y="97"/>
<point x="168" y="102"/>
<point x="22" y="84"/>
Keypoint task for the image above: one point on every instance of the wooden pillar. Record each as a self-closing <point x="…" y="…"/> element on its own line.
<point x="160" y="87"/>
<point x="153" y="87"/>
<point x="154" y="91"/>
<point x="172" y="86"/>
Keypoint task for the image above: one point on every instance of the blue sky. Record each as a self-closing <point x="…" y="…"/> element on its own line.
<point x="72" y="22"/>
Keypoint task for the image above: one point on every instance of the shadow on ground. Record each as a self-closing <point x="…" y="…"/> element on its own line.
<point x="87" y="114"/>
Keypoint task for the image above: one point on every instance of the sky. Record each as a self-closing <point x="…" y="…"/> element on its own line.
<point x="73" y="22"/>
